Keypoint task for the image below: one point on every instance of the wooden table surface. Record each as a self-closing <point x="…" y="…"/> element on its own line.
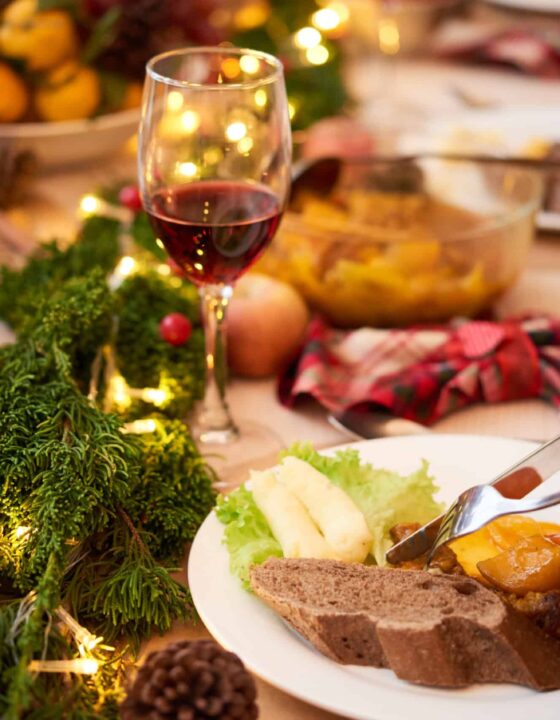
<point x="51" y="212"/>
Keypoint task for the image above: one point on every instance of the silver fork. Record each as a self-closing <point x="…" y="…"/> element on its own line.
<point x="477" y="506"/>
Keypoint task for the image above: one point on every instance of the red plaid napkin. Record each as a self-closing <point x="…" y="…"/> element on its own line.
<point x="426" y="373"/>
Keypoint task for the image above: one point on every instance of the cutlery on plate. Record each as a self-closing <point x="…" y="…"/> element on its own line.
<point x="478" y="506"/>
<point x="516" y="482"/>
<point x="370" y="424"/>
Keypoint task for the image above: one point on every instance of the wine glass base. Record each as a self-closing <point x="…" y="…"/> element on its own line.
<point x="253" y="447"/>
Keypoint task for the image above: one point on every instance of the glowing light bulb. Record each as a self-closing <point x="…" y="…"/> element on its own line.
<point x="235" y="131"/>
<point x="326" y="19"/>
<point x="261" y="98"/>
<point x="120" y="392"/>
<point x="213" y="155"/>
<point x="230" y="68"/>
<point x="317" y="55"/>
<point x="127" y="265"/>
<point x="164" y="270"/>
<point x="87" y="641"/>
<point x="187" y="169"/>
<point x="249" y="64"/>
<point x="190" y="121"/>
<point x="291" y="110"/>
<point x="89" y="204"/>
<point x="22" y="531"/>
<point x="139" y="427"/>
<point x="174" y="101"/>
<point x="156" y="396"/>
<point x="389" y="36"/>
<point x="307" y="37"/>
<point x="245" y="145"/>
<point x="81" y="666"/>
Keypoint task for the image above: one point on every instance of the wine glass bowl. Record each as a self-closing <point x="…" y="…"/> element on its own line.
<point x="214" y="168"/>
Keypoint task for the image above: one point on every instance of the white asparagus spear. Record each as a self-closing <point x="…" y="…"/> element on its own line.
<point x="289" y="521"/>
<point x="334" y="512"/>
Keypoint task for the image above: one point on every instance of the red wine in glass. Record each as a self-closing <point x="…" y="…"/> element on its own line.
<point x="215" y="229"/>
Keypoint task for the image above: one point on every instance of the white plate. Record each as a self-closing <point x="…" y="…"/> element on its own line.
<point x="56" y="144"/>
<point x="277" y="654"/>
<point x="538" y="6"/>
<point x="501" y="129"/>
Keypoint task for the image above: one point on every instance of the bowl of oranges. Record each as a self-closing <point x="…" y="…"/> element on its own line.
<point x="64" y="96"/>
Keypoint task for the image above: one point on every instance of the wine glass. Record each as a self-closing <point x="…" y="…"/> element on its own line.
<point x="214" y="169"/>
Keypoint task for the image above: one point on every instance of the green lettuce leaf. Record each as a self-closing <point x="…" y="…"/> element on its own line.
<point x="247" y="535"/>
<point x="384" y="497"/>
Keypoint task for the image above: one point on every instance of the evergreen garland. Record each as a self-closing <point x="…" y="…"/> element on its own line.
<point x="143" y="300"/>
<point x="93" y="519"/>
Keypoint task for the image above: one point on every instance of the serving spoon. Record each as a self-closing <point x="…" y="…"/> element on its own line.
<point x="322" y="174"/>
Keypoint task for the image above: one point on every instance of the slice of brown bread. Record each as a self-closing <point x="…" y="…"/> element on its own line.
<point x="429" y="629"/>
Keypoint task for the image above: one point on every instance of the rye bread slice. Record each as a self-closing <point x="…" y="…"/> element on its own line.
<point x="439" y="630"/>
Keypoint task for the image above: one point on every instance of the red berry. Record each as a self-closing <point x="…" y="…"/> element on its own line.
<point x="175" y="329"/>
<point x="176" y="269"/>
<point x="129" y="196"/>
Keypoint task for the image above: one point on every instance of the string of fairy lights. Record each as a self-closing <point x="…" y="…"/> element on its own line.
<point x="89" y="646"/>
<point x="91" y="652"/>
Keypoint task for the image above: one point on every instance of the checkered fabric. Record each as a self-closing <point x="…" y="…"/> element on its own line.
<point x="426" y="373"/>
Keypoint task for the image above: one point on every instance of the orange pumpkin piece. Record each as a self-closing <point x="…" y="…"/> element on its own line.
<point x="509" y="529"/>
<point x="531" y="565"/>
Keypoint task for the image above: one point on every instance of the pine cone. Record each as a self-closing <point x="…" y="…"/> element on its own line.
<point x="191" y="681"/>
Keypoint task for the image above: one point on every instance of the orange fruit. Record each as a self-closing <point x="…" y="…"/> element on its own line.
<point x="132" y="96"/>
<point x="71" y="92"/>
<point x="41" y="39"/>
<point x="14" y="97"/>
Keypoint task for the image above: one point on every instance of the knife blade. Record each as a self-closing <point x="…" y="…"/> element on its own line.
<point x="372" y="424"/>
<point x="514" y="483"/>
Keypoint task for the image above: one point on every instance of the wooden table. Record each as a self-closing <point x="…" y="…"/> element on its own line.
<point x="51" y="212"/>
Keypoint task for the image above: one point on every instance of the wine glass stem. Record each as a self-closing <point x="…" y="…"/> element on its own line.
<point x="215" y="424"/>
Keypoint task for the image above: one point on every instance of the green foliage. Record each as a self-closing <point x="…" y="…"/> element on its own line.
<point x="113" y="89"/>
<point x="144" y="300"/>
<point x="68" y="5"/>
<point x="120" y="589"/>
<point x="103" y="35"/>
<point x="108" y="512"/>
<point x="144" y="237"/>
<point x="315" y="91"/>
<point x="22" y="291"/>
<point x="170" y="512"/>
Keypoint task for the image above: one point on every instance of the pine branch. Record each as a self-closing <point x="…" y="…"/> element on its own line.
<point x="22" y="291"/>
<point x="171" y="511"/>
<point x="144" y="358"/>
<point x="107" y="513"/>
